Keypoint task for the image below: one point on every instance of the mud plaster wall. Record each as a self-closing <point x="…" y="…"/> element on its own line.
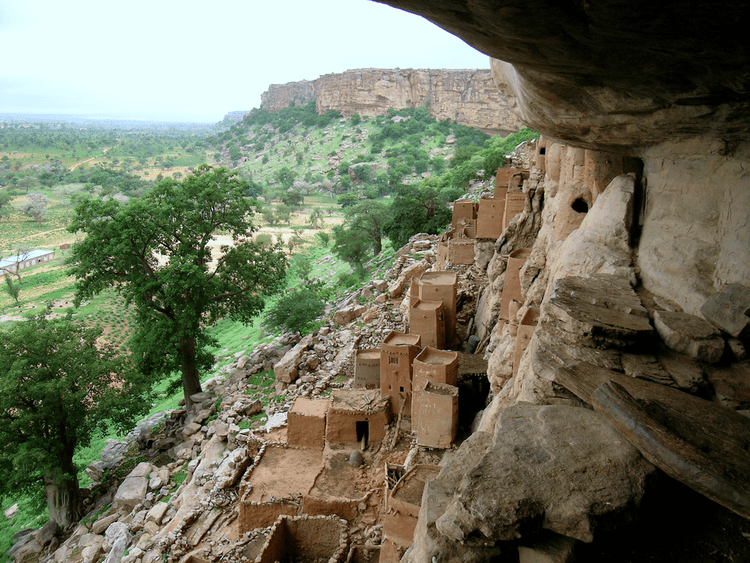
<point x="306" y="537"/>
<point x="313" y="506"/>
<point x="512" y="283"/>
<point x="341" y="427"/>
<point x="490" y="217"/>
<point x="406" y="497"/>
<point x="367" y="369"/>
<point x="436" y="286"/>
<point x="245" y="483"/>
<point x="364" y="554"/>
<point x="463" y="211"/>
<point x="263" y="514"/>
<point x="514" y="204"/>
<point x="436" y="419"/>
<point x="461" y="251"/>
<point x="441" y="373"/>
<point x="428" y="320"/>
<point x="526" y="329"/>
<point x="398" y="534"/>
<point x="584" y="174"/>
<point x="305" y="431"/>
<point x="396" y="373"/>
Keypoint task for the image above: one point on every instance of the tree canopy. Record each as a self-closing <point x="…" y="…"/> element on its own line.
<point x="157" y="252"/>
<point x="59" y="386"/>
<point x="419" y="209"/>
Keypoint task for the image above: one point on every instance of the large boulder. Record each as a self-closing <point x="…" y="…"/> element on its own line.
<point x="689" y="335"/>
<point x="134" y="488"/>
<point x="553" y="467"/>
<point x="118" y="536"/>
<point x="729" y="310"/>
<point x="287" y="369"/>
<point x="429" y="543"/>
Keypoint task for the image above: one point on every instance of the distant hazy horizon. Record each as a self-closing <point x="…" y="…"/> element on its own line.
<point x="74" y="118"/>
<point x="193" y="62"/>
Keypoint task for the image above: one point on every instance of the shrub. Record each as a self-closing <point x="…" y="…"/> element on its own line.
<point x="295" y="311"/>
<point x="264" y="238"/>
<point x="324" y="238"/>
<point x="302" y="265"/>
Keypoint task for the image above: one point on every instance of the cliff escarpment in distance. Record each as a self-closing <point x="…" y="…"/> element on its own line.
<point x="469" y="97"/>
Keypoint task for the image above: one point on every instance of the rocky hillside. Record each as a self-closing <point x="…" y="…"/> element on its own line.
<point x="545" y="470"/>
<point x="468" y="97"/>
<point x="172" y="491"/>
<point x="616" y="426"/>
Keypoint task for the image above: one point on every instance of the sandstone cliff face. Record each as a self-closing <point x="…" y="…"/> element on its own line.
<point x="279" y="96"/>
<point x="612" y="76"/>
<point x="469" y="97"/>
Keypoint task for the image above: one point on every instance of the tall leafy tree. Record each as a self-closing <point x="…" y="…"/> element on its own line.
<point x="368" y="216"/>
<point x="351" y="245"/>
<point x="419" y="209"/>
<point x="14" y="288"/>
<point x="59" y="386"/>
<point x="157" y="252"/>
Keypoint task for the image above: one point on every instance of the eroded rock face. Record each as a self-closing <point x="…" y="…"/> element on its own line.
<point x="469" y="97"/>
<point x="696" y="223"/>
<point x="438" y="493"/>
<point x="552" y="467"/>
<point x="611" y="75"/>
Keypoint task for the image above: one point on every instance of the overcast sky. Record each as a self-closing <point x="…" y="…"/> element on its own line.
<point x="196" y="60"/>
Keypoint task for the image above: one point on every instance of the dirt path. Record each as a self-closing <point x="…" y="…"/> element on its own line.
<point x="104" y="151"/>
<point x="35" y="235"/>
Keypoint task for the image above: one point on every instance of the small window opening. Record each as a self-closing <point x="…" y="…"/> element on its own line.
<point x="401" y="389"/>
<point x="393" y="360"/>
<point x="542" y="150"/>
<point x="580" y="206"/>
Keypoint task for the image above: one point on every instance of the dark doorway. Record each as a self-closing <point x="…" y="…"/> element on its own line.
<point x="363" y="431"/>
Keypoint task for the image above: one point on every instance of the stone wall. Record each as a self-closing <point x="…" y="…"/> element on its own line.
<point x="469" y="97"/>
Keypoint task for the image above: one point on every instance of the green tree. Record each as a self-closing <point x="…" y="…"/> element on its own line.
<point x="27" y="182"/>
<point x="361" y="173"/>
<point x="293" y="198"/>
<point x="368" y="216"/>
<point x="316" y="217"/>
<point x="59" y="386"/>
<point x="36" y="208"/>
<point x="324" y="238"/>
<point x="286" y="176"/>
<point x="14" y="288"/>
<point x="156" y="251"/>
<point x="302" y="266"/>
<point x="438" y="165"/>
<point x="284" y="214"/>
<point x="5" y="206"/>
<point x="297" y="309"/>
<point x="419" y="209"/>
<point x="351" y="245"/>
<point x="348" y="199"/>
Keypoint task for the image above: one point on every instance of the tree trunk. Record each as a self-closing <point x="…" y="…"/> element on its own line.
<point x="191" y="383"/>
<point x="63" y="495"/>
<point x="377" y="243"/>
